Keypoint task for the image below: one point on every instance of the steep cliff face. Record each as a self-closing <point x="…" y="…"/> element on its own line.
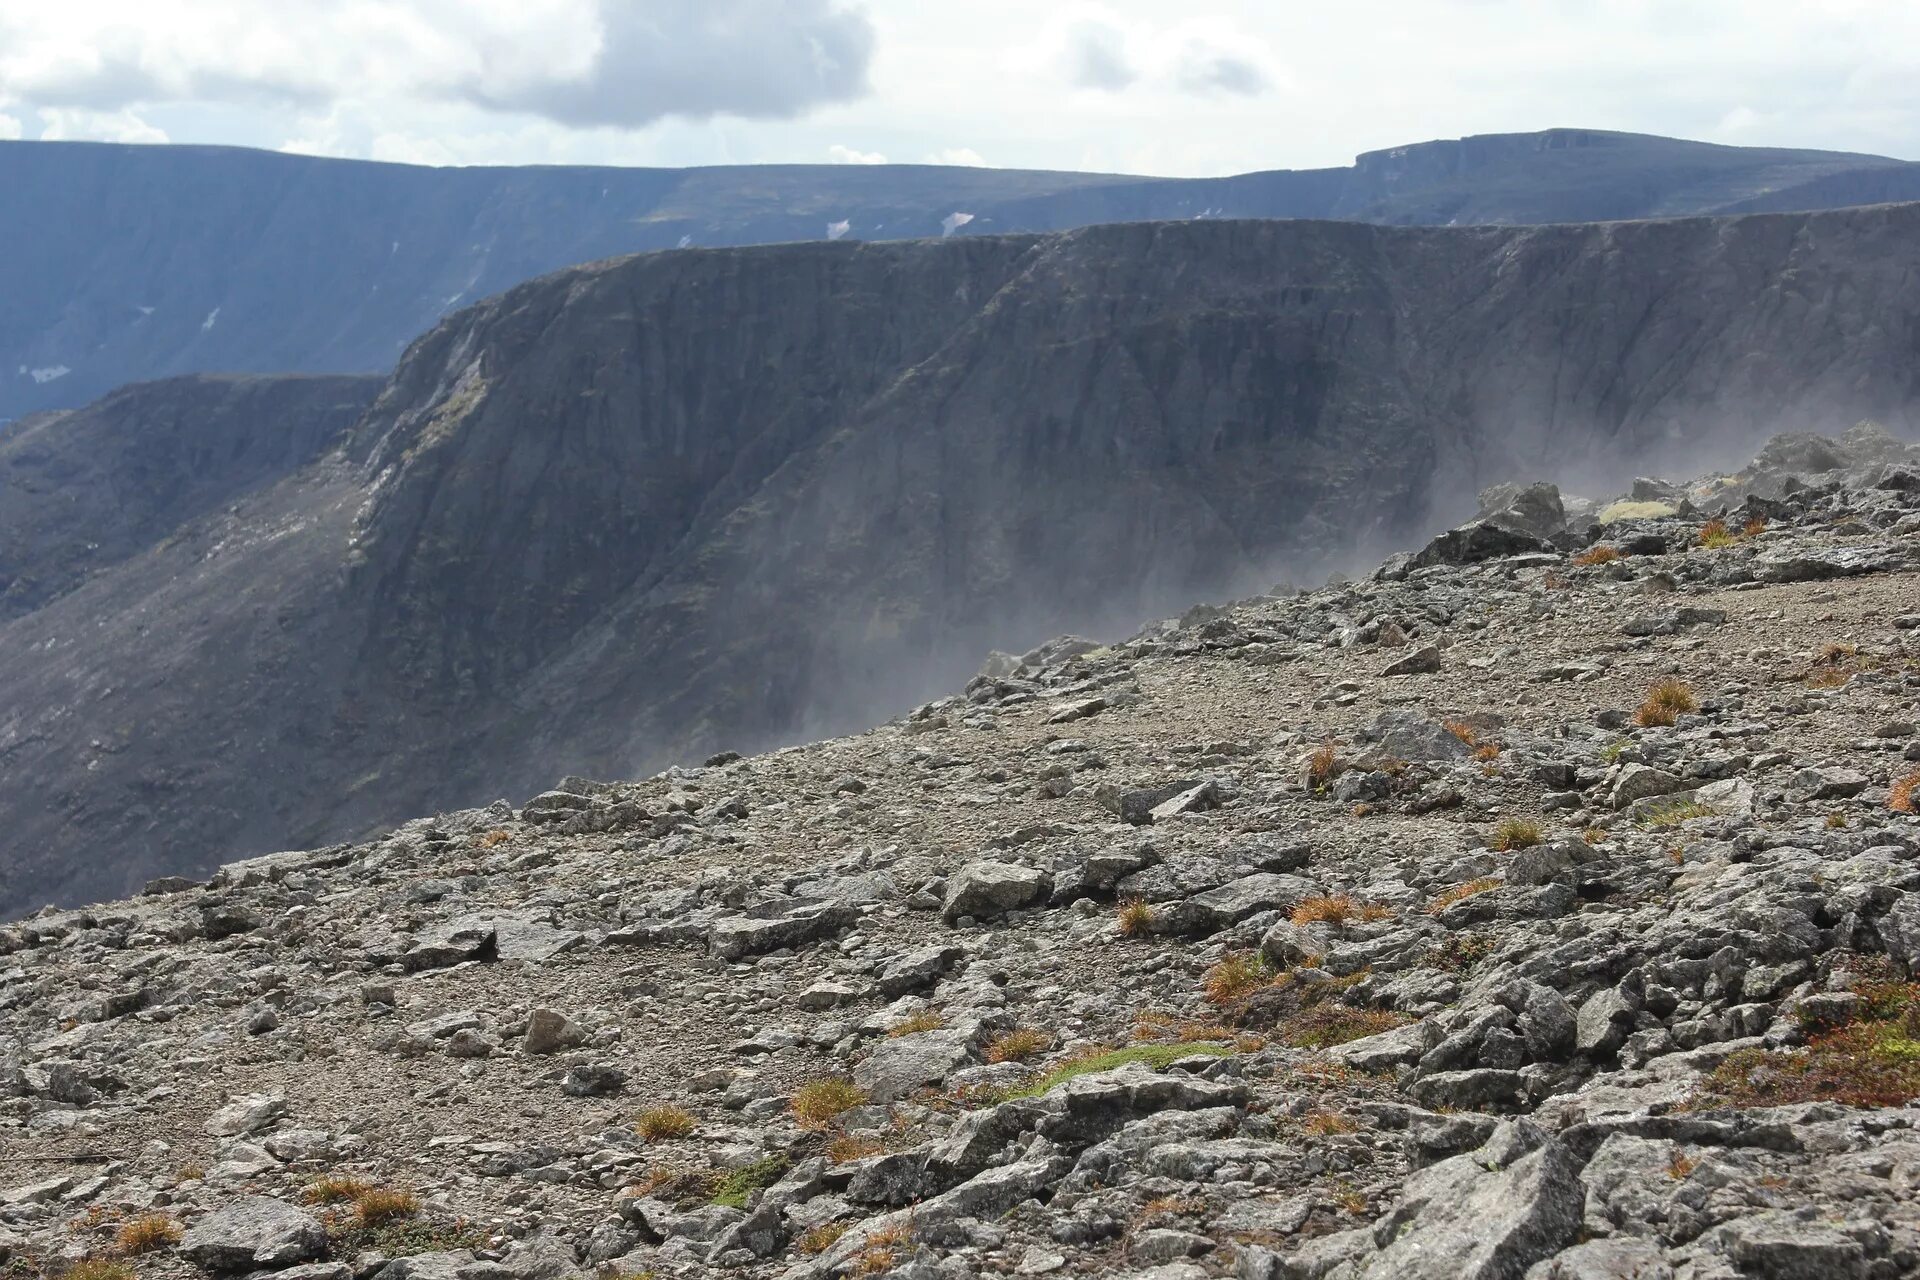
<point x="83" y="490"/>
<point x="137" y="263"/>
<point x="652" y="508"/>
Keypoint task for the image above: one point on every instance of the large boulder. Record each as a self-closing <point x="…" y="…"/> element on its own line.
<point x="254" y="1233"/>
<point x="984" y="889"/>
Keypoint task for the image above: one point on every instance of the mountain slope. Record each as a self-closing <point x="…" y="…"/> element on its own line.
<point x="649" y="509"/>
<point x="134" y="263"/>
<point x="86" y="489"/>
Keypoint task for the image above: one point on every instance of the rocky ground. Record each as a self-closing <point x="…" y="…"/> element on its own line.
<point x="1545" y="906"/>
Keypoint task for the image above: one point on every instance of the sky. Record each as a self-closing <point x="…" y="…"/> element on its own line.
<point x="1185" y="89"/>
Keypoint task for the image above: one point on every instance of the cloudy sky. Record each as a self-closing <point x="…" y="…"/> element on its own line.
<point x="1147" y="86"/>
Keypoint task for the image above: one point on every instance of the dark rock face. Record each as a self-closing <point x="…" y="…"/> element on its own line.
<point x="260" y="261"/>
<point x="85" y="490"/>
<point x="645" y="510"/>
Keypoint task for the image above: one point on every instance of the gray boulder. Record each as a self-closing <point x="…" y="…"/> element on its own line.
<point x="984" y="889"/>
<point x="254" y="1232"/>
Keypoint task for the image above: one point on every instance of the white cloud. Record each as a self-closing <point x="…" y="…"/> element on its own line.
<point x="9" y="127"/>
<point x="77" y="124"/>
<point x="965" y="156"/>
<point x="579" y="62"/>
<point x="847" y="155"/>
<point x="1139" y="86"/>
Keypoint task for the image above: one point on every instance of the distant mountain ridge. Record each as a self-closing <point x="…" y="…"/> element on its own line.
<point x="648" y="509"/>
<point x="128" y="264"/>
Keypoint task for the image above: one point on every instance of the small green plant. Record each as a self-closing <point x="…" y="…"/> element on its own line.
<point x="822" y="1238"/>
<point x="1516" y="833"/>
<point x="664" y="1123"/>
<point x="1327" y="1025"/>
<point x="1868" y="1058"/>
<point x="738" y="1187"/>
<point x="1157" y="1056"/>
<point x="1611" y="752"/>
<point x="100" y="1269"/>
<point x="1674" y="812"/>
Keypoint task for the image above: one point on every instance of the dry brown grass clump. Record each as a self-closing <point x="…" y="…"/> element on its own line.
<point x="1715" y="534"/>
<point x="1665" y="703"/>
<point x="335" y="1188"/>
<point x="1904" y="795"/>
<point x="1516" y="833"/>
<point x="664" y="1124"/>
<point x="1324" y="764"/>
<point x="881" y="1250"/>
<point x="926" y="1020"/>
<point x="1463" y="731"/>
<point x="1459" y="892"/>
<point x="1154" y="1025"/>
<point x="1325" y="909"/>
<point x="1327" y="1124"/>
<point x="497" y="836"/>
<point x="1136" y="918"/>
<point x="378" y="1206"/>
<point x="1238" y="974"/>
<point x="148" y="1233"/>
<point x="849" y="1147"/>
<point x="1602" y="554"/>
<point x="1754" y="527"/>
<point x="819" y="1103"/>
<point x="1018" y="1045"/>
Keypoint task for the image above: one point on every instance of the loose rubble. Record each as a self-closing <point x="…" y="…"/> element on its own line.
<point x="1544" y="907"/>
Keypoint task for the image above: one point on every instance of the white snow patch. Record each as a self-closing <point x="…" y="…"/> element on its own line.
<point x="953" y="222"/>
<point x="837" y="229"/>
<point x="208" y="322"/>
<point x="47" y="373"/>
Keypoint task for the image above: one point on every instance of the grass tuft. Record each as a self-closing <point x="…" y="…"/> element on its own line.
<point x="148" y="1233"/>
<point x="1018" y="1045"/>
<point x="1602" y="554"/>
<point x="926" y="1020"/>
<point x="335" y="1188"/>
<point x="1665" y="703"/>
<point x="1325" y="909"/>
<point x="739" y="1186"/>
<point x="1238" y="974"/>
<point x="1135" y="918"/>
<point x="819" y="1103"/>
<point x="378" y="1206"/>
<point x="1516" y="833"/>
<point x="1327" y="1025"/>
<point x="1157" y="1056"/>
<point x="1461" y="892"/>
<point x="664" y="1124"/>
<point x="1904" y="795"/>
